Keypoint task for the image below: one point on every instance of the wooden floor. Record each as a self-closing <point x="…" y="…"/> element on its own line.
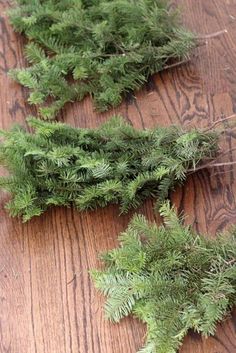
<point x="47" y="301"/>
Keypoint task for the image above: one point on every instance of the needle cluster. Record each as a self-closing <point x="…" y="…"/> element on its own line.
<point x="170" y="278"/>
<point x="89" y="168"/>
<point x="100" y="48"/>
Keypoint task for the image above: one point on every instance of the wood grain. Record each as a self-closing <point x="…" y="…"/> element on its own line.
<point x="47" y="301"/>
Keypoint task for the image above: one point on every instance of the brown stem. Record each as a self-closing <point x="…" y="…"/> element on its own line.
<point x="211" y="165"/>
<point x="212" y="35"/>
<point x="224" y="153"/>
<point x="223" y="172"/>
<point x="179" y="63"/>
<point x="219" y="121"/>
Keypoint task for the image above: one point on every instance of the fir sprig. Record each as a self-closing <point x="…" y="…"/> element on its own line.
<point x="90" y="168"/>
<point x="170" y="278"/>
<point x="98" y="47"/>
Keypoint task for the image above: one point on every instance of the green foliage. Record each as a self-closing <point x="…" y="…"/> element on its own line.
<point x="100" y="48"/>
<point x="170" y="278"/>
<point x="115" y="163"/>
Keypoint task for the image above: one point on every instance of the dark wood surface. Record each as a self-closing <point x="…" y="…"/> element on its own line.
<point x="47" y="301"/>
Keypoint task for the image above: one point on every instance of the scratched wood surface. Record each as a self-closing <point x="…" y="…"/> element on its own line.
<point x="47" y="301"/>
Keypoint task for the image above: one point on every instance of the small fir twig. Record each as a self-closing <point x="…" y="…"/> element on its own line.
<point x="170" y="278"/>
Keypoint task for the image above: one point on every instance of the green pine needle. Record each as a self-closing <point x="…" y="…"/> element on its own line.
<point x="100" y="48"/>
<point x="90" y="168"/>
<point x="170" y="278"/>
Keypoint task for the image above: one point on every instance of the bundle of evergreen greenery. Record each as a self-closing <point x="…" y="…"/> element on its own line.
<point x="170" y="278"/>
<point x="102" y="48"/>
<point x="115" y="163"/>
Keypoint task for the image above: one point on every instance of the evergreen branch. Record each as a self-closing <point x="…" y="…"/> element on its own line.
<point x="99" y="48"/>
<point x="186" y="281"/>
<point x="90" y="168"/>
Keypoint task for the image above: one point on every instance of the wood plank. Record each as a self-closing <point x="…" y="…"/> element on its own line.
<point x="48" y="303"/>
